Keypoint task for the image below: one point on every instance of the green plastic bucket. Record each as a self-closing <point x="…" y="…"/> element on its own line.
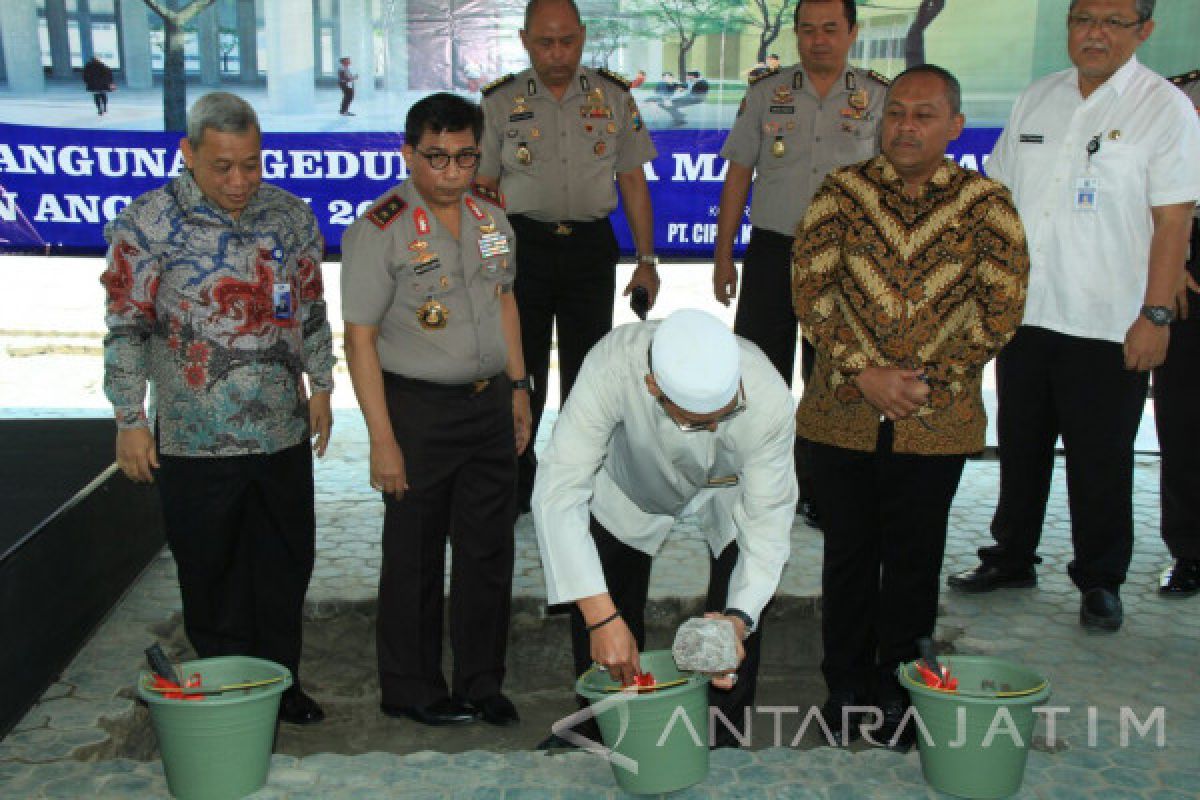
<point x="958" y="757"/>
<point x="660" y="738"/>
<point x="218" y="748"/>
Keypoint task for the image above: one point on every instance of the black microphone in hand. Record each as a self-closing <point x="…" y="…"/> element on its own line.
<point x="639" y="301"/>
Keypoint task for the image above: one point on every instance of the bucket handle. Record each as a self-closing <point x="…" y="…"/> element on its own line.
<point x="982" y="695"/>
<point x="229" y="687"/>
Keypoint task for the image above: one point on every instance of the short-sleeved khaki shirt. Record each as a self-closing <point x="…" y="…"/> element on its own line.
<point x="435" y="299"/>
<point x="557" y="159"/>
<point x="795" y="138"/>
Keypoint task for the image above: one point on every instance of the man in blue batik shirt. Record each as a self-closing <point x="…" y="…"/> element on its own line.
<point x="214" y="300"/>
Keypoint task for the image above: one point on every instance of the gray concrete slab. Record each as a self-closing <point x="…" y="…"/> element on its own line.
<point x="1147" y="671"/>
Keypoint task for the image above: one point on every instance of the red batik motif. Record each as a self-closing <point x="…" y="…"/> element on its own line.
<point x="250" y="302"/>
<point x="118" y="282"/>
<point x="309" y="276"/>
<point x="195" y="375"/>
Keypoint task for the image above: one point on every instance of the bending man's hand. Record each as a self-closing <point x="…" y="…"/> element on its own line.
<point x="897" y="393"/>
<point x="615" y="649"/>
<point x="136" y="454"/>
<point x="726" y="680"/>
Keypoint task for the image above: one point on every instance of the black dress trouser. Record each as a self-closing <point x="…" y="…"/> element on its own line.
<point x="765" y="316"/>
<point x="1177" y="416"/>
<point x="242" y="530"/>
<point x="1051" y="384"/>
<point x="627" y="575"/>
<point x="569" y="280"/>
<point x="885" y="517"/>
<point x="460" y="461"/>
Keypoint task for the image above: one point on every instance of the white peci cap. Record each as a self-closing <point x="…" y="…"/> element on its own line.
<point x="696" y="361"/>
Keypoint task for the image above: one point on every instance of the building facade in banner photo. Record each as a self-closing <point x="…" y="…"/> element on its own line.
<point x="65" y="170"/>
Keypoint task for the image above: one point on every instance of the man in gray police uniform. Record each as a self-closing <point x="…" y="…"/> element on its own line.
<point x="434" y="349"/>
<point x="554" y="137"/>
<point x="794" y="126"/>
<point x="1176" y="398"/>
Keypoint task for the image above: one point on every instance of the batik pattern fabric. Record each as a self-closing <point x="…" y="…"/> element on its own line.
<point x="220" y="317"/>
<point x="935" y="283"/>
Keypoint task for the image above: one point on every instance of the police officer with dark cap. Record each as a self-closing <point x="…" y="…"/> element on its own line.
<point x="1176" y="398"/>
<point x="794" y="126"/>
<point x="434" y="349"/>
<point x="555" y="135"/>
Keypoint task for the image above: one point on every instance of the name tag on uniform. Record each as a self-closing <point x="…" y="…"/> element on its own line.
<point x="1087" y="194"/>
<point x="783" y="109"/>
<point x="1032" y="138"/>
<point x="281" y="300"/>
<point x="493" y="244"/>
<point x="520" y="116"/>
<point x="428" y="265"/>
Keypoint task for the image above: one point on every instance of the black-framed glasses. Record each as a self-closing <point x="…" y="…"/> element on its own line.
<point x="688" y="426"/>
<point x="1106" y="24"/>
<point x="439" y="160"/>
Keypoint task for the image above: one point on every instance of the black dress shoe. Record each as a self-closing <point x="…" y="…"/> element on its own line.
<point x="889" y="734"/>
<point x="843" y="727"/>
<point x="497" y="710"/>
<point x="987" y="577"/>
<point x="1101" y="610"/>
<point x="1181" y="579"/>
<point x="297" y="708"/>
<point x="446" y="711"/>
<point x="808" y="510"/>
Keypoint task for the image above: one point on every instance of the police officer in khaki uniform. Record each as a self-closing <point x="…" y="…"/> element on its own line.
<point x="434" y="349"/>
<point x="794" y="126"/>
<point x="1176" y="398"/>
<point x="555" y="135"/>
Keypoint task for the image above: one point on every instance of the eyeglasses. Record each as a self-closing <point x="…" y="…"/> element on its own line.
<point x="689" y="426"/>
<point x="1107" y="24"/>
<point x="439" y="160"/>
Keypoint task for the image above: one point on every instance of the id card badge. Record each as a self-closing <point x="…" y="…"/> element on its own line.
<point x="1087" y="194"/>
<point x="281" y="300"/>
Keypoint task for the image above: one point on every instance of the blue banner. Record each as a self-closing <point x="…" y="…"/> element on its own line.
<point x="60" y="186"/>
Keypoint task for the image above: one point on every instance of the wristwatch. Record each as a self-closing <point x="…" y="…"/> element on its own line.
<point x="1158" y="315"/>
<point x="649" y="259"/>
<point x="525" y="383"/>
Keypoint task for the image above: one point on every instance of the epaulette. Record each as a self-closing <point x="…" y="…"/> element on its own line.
<point x="880" y="78"/>
<point x="1186" y="78"/>
<point x="619" y="80"/>
<point x="496" y="84"/>
<point x="487" y="193"/>
<point x="766" y="73"/>
<point x="384" y="212"/>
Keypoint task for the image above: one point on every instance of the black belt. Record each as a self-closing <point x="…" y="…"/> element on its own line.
<point x="472" y="388"/>
<point x="563" y="228"/>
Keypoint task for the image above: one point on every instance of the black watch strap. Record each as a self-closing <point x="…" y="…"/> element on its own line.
<point x="525" y="383"/>
<point x="1159" y="315"/>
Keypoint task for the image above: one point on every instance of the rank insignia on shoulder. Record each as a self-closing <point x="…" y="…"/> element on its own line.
<point x="880" y="78"/>
<point x="486" y="193"/>
<point x="619" y="80"/>
<point x="766" y="73"/>
<point x="386" y="210"/>
<point x="1185" y="78"/>
<point x="496" y="84"/>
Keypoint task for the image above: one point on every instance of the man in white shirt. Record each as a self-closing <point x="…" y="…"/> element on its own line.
<point x="1101" y="162"/>
<point x="669" y="418"/>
